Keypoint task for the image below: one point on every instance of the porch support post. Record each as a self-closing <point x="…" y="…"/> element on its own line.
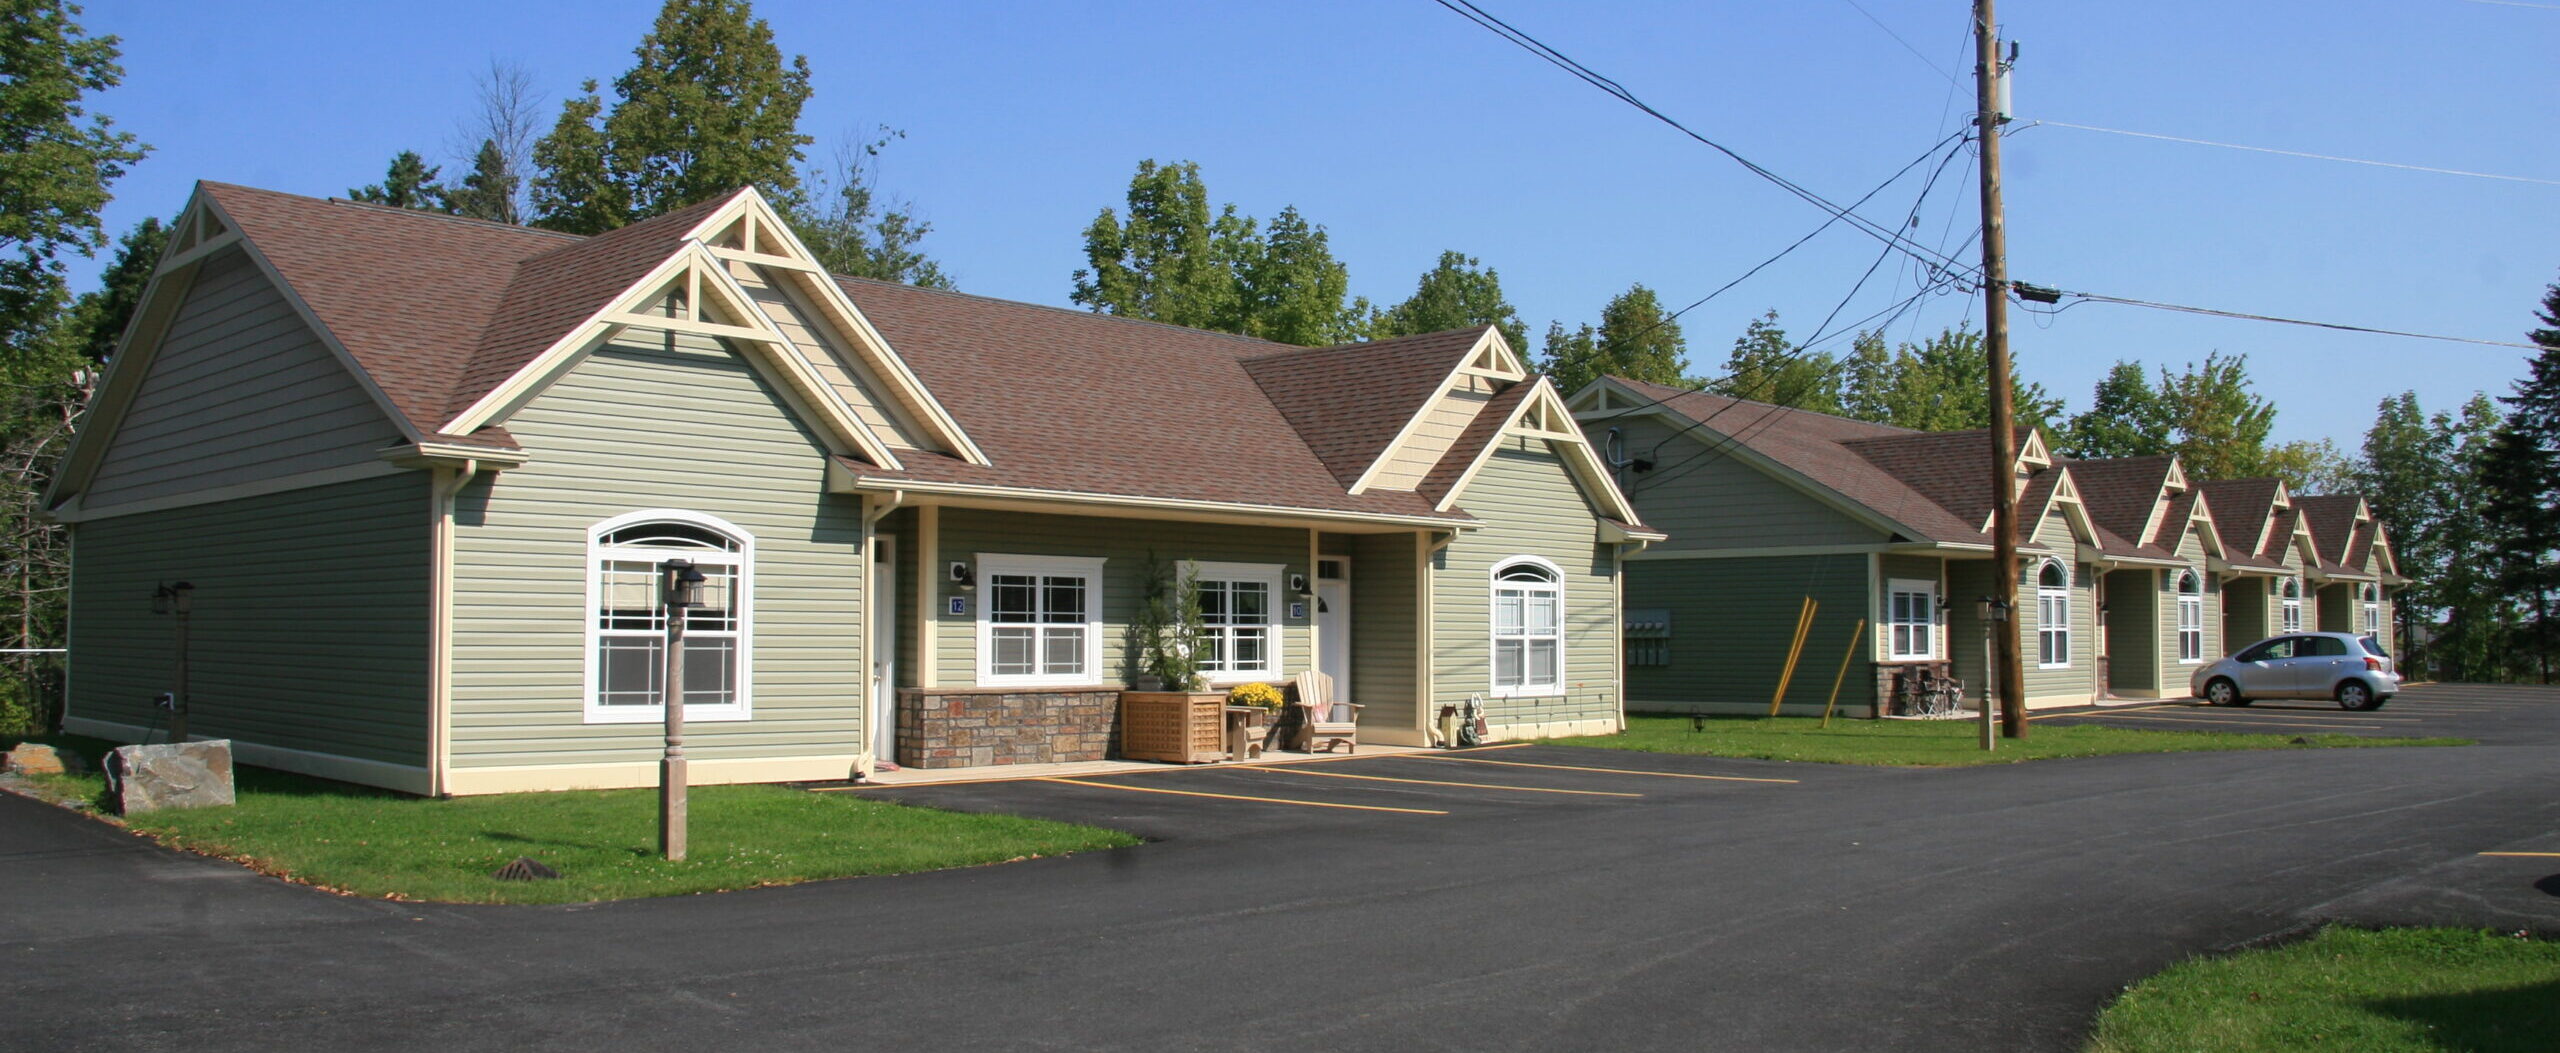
<point x="928" y="572"/>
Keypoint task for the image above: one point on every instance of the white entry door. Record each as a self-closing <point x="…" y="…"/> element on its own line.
<point x="883" y="612"/>
<point x="1333" y="623"/>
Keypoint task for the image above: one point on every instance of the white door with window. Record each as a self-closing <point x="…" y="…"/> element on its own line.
<point x="1333" y="623"/>
<point x="883" y="612"/>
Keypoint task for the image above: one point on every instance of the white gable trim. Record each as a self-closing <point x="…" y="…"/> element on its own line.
<point x="1542" y="415"/>
<point x="1490" y="357"/>
<point x="766" y="240"/>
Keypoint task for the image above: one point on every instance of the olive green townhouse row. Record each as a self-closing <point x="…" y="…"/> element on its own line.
<point x="2130" y="575"/>
<point x="421" y="477"/>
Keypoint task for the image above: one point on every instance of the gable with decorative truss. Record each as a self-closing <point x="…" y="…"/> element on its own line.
<point x="1486" y="370"/>
<point x="1530" y="411"/>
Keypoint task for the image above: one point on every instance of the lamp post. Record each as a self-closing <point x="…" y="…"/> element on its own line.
<point x="178" y="599"/>
<point x="1995" y="619"/>
<point x="679" y="590"/>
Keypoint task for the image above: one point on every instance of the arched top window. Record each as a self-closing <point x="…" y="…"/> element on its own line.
<point x="2372" y="595"/>
<point x="2189" y="584"/>
<point x="2292" y="605"/>
<point x="2293" y="588"/>
<point x="2190" y="617"/>
<point x="627" y="617"/>
<point x="2372" y="603"/>
<point x="2053" y="616"/>
<point x="1528" y="627"/>
<point x="2053" y="576"/>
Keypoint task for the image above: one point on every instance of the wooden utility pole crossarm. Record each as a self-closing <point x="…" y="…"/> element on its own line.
<point x="2011" y="671"/>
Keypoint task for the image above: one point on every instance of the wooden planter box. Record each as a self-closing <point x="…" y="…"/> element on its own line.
<point x="1180" y="727"/>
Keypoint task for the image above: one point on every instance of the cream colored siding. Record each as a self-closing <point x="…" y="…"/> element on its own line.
<point x="1732" y="621"/>
<point x="1407" y="464"/>
<point x="1384" y="654"/>
<point x="1706" y="496"/>
<point x="240" y="390"/>
<point x="827" y="352"/>
<point x="640" y="426"/>
<point x="1124" y="544"/>
<point x="309" y="626"/>
<point x="1529" y="505"/>
<point x="2077" y="682"/>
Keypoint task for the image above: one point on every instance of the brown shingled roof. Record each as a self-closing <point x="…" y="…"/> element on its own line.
<point x="2240" y="510"/>
<point x="1470" y="444"/>
<point x="1351" y="400"/>
<point x="2333" y="524"/>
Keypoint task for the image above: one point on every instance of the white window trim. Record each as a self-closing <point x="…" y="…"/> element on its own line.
<point x="1937" y="619"/>
<point x="2179" y="586"/>
<point x="744" y="559"/>
<point x="991" y="564"/>
<point x="2370" y="598"/>
<point x="2289" y="605"/>
<point x="1493" y="636"/>
<point x="2065" y="628"/>
<point x="1269" y="574"/>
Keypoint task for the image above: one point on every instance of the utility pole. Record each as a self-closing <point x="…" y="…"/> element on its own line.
<point x="2009" y="670"/>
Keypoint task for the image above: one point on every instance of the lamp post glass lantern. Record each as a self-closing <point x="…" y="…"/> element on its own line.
<point x="679" y="590"/>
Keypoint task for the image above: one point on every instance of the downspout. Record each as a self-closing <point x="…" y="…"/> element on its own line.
<point x="442" y="488"/>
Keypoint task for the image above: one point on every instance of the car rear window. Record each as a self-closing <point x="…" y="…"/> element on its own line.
<point x="2373" y="647"/>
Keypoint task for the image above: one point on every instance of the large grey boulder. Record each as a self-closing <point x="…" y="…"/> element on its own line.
<point x="170" y="775"/>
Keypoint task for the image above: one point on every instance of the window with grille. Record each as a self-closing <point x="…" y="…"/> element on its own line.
<point x="2190" y="617"/>
<point x="627" y="617"/>
<point x="1238" y="637"/>
<point x="2372" y="597"/>
<point x="2053" y="616"/>
<point x="1528" y="628"/>
<point x="1039" y="620"/>
<point x="1911" y="619"/>
<point x="2293" y="605"/>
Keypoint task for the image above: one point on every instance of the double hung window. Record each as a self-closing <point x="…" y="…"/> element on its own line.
<point x="1528" y="628"/>
<point x="2372" y="597"/>
<point x="1238" y="640"/>
<point x="1039" y="621"/>
<point x="2053" y="616"/>
<point x="1911" y="613"/>
<point x="2293" y="605"/>
<point x="627" y="617"/>
<point x="2190" y="617"/>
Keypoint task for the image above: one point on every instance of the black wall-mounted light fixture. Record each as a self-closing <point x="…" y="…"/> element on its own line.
<point x="963" y="575"/>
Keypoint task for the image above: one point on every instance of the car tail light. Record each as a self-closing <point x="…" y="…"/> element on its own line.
<point x="2373" y="663"/>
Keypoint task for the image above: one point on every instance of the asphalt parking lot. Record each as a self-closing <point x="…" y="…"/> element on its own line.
<point x="2501" y="713"/>
<point x="1432" y="903"/>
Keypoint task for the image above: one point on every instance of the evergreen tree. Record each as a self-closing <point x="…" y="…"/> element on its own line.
<point x="707" y="107"/>
<point x="1764" y="366"/>
<point x="1459" y="293"/>
<point x="489" y="192"/>
<point x="56" y="162"/>
<point x="410" y="183"/>
<point x="2126" y="418"/>
<point x="98" y="319"/>
<point x="846" y="227"/>
<point x="2479" y="616"/>
<point x="2522" y="476"/>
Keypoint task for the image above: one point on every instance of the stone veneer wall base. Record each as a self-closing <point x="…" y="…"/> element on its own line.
<point x="975" y="727"/>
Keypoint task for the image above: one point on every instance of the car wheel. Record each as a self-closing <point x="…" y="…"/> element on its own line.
<point x="2356" y="695"/>
<point x="2221" y="691"/>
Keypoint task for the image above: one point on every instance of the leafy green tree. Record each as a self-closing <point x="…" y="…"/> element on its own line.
<point x="98" y="319"/>
<point x="2311" y="466"/>
<point x="489" y="192"/>
<point x="1635" y="340"/>
<point x="1941" y="384"/>
<point x="409" y="183"/>
<point x="2221" y="426"/>
<point x="852" y="232"/>
<point x="708" y="107"/>
<point x="1293" y="291"/>
<point x="1765" y="366"/>
<point x="2522" y="475"/>
<point x="2126" y="418"/>
<point x="1171" y="260"/>
<point x="56" y="161"/>
<point x="1458" y="293"/>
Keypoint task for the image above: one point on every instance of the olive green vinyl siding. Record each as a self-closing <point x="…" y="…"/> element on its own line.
<point x="1528" y="505"/>
<point x="1384" y="658"/>
<point x="2136" y="606"/>
<point x="646" y="425"/>
<point x="1904" y="568"/>
<point x="1731" y="623"/>
<point x="1124" y="545"/>
<point x="901" y="525"/>
<point x="240" y="390"/>
<point x="309" y="629"/>
<point x="2248" y="611"/>
<point x="1705" y="495"/>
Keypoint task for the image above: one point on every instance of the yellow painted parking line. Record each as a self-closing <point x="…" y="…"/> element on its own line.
<point x="2237" y="720"/>
<point x="1241" y="797"/>
<point x="2110" y="711"/>
<point x="1161" y="769"/>
<point x="2527" y="855"/>
<point x="1436" y="782"/>
<point x="1577" y="767"/>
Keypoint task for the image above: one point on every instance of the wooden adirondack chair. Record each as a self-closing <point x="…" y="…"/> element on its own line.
<point x="1324" y="718"/>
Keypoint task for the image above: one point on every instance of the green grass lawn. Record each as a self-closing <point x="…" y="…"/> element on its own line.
<point x="2375" y="992"/>
<point x="1931" y="743"/>
<point x="603" y="842"/>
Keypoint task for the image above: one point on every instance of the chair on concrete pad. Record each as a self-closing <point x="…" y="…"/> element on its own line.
<point x="1324" y="719"/>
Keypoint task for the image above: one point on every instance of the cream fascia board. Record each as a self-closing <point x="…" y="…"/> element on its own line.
<point x="1492" y="342"/>
<point x="1130" y="506"/>
<point x="1575" y="450"/>
<point x="750" y="206"/>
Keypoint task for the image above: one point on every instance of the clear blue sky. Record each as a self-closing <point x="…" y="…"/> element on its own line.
<point x="1405" y="131"/>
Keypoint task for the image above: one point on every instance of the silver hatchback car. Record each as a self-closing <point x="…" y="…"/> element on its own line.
<point x="2352" y="669"/>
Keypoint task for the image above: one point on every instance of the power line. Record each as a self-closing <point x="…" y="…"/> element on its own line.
<point x="2300" y="153"/>
<point x="1897" y="38"/>
<point x="1468" y="10"/>
<point x="2340" y="326"/>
